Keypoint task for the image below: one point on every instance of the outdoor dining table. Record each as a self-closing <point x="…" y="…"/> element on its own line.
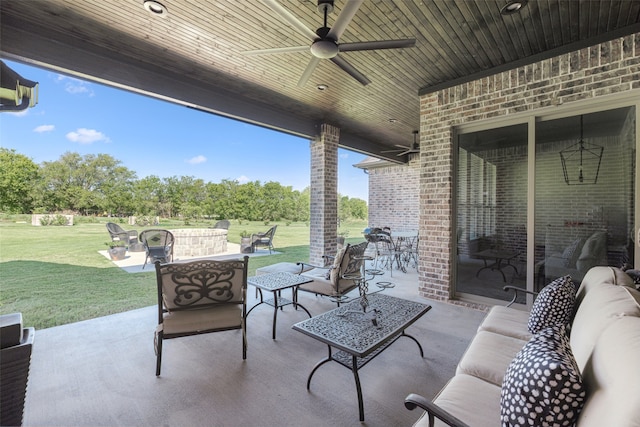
<point x="404" y="242"/>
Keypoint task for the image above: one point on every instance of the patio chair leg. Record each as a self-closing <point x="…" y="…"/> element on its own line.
<point x="158" y="356"/>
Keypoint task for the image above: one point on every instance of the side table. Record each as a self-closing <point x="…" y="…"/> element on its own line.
<point x="276" y="282"/>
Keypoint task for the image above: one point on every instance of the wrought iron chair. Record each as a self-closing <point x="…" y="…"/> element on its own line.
<point x="118" y="233"/>
<point x="224" y="224"/>
<point x="158" y="245"/>
<point x="340" y="277"/>
<point x="200" y="297"/>
<point x="263" y="239"/>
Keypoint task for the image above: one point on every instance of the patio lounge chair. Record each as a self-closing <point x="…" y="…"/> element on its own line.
<point x="158" y="245"/>
<point x="118" y="233"/>
<point x="339" y="278"/>
<point x="263" y="239"/>
<point x="200" y="297"/>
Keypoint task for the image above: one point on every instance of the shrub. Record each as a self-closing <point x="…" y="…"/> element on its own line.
<point x="54" y="220"/>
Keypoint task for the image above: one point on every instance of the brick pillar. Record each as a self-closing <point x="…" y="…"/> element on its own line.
<point x="324" y="194"/>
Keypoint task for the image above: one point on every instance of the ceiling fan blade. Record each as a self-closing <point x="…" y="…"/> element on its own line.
<point x="308" y="71"/>
<point x="408" y="152"/>
<point x="342" y="21"/>
<point x="290" y="18"/>
<point x="350" y="69"/>
<point x="290" y="49"/>
<point x="376" y="45"/>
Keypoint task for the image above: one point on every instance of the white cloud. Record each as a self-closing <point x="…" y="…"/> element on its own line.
<point x="242" y="179"/>
<point x="344" y="155"/>
<point x="20" y="113"/>
<point x="197" y="159"/>
<point x="75" y="86"/>
<point x="44" y="128"/>
<point x="87" y="136"/>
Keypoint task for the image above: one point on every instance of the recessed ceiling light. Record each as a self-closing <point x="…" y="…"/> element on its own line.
<point x="155" y="8"/>
<point x="322" y="86"/>
<point x="513" y="6"/>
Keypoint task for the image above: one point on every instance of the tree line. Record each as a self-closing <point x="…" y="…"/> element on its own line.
<point x="98" y="184"/>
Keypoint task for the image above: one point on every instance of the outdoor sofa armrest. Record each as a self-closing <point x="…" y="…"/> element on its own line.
<point x="515" y="290"/>
<point x="415" y="400"/>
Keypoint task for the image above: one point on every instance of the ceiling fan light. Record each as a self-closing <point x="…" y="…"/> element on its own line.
<point x="324" y="49"/>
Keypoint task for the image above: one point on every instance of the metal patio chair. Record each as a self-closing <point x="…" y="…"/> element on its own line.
<point x="116" y="232"/>
<point x="158" y="245"/>
<point x="200" y="297"/>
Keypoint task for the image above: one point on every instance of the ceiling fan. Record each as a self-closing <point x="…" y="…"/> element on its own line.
<point x="325" y="41"/>
<point x="403" y="149"/>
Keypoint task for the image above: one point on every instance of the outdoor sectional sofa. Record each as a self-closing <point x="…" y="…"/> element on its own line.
<point x="603" y="337"/>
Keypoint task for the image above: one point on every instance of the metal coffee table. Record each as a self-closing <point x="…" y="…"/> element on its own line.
<point x="276" y="282"/>
<point x="355" y="335"/>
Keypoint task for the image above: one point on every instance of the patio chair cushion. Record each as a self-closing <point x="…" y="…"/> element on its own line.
<point x="219" y="317"/>
<point x="553" y="306"/>
<point x="543" y="386"/>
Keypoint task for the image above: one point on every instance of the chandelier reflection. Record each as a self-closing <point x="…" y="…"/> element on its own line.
<point x="581" y="161"/>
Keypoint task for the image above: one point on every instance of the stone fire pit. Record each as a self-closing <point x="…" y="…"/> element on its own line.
<point x="199" y="242"/>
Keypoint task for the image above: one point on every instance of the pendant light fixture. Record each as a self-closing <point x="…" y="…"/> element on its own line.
<point x="581" y="161"/>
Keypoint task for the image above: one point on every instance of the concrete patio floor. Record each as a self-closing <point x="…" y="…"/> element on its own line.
<point x="101" y="372"/>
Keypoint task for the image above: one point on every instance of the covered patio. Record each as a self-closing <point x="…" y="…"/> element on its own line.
<point x="472" y="68"/>
<point x="100" y="372"/>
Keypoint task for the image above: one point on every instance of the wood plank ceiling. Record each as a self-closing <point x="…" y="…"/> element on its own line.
<point x="195" y="57"/>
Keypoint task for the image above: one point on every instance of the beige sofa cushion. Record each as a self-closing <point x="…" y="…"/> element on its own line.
<point x="489" y="355"/>
<point x="612" y="377"/>
<point x="470" y="399"/>
<point x="601" y="306"/>
<point x="507" y="321"/>
<point x="602" y="276"/>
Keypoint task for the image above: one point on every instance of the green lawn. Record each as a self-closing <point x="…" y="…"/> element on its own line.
<point x="55" y="275"/>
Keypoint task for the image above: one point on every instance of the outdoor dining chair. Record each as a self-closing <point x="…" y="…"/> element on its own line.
<point x="158" y="245"/>
<point x="200" y="297"/>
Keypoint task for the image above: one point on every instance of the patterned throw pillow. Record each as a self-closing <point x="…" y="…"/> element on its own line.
<point x="554" y="305"/>
<point x="542" y="386"/>
<point x="571" y="253"/>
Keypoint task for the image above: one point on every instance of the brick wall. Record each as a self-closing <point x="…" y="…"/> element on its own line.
<point x="600" y="70"/>
<point x="324" y="194"/>
<point x="394" y="199"/>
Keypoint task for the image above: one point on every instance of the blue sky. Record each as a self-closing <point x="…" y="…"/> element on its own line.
<point x="153" y="137"/>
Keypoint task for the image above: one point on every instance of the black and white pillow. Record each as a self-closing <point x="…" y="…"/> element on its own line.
<point x="554" y="305"/>
<point x="571" y="253"/>
<point x="542" y="386"/>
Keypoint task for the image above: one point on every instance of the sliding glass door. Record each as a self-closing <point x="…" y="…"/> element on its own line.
<point x="585" y="175"/>
<point x="492" y="211"/>
<point x="567" y="183"/>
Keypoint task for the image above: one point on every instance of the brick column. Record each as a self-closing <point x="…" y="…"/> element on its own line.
<point x="324" y="194"/>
